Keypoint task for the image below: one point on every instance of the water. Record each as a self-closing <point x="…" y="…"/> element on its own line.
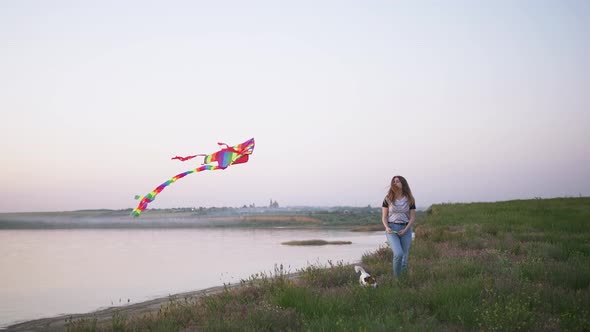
<point x="46" y="273"/>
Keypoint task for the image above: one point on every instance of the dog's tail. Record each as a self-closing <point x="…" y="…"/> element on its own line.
<point x="359" y="269"/>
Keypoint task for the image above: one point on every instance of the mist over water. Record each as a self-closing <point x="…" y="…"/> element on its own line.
<point x="51" y="272"/>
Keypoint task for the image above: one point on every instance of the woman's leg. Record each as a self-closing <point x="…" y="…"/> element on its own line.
<point x="398" y="253"/>
<point x="406" y="242"/>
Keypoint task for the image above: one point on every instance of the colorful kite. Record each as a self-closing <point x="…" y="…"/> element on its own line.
<point x="230" y="155"/>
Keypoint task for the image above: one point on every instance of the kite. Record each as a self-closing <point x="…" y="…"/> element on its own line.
<point x="229" y="155"/>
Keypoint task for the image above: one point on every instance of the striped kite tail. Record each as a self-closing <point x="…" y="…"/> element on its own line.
<point x="151" y="196"/>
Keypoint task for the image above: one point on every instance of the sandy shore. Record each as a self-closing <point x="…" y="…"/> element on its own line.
<point x="58" y="323"/>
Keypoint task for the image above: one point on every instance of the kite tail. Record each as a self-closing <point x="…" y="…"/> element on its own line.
<point x="151" y="196"/>
<point x="187" y="157"/>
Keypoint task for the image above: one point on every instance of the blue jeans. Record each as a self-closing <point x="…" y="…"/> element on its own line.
<point x="400" y="245"/>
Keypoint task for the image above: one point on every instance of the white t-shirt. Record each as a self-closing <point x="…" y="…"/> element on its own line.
<point x="398" y="210"/>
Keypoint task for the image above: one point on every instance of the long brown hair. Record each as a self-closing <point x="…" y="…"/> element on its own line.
<point x="406" y="191"/>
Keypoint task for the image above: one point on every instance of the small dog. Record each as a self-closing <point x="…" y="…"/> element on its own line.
<point x="365" y="278"/>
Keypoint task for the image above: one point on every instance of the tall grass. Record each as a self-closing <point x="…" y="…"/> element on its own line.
<point x="505" y="266"/>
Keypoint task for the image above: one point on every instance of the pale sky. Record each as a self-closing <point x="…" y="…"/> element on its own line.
<point x="469" y="100"/>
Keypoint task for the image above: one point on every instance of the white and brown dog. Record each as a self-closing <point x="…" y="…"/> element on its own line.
<point x="365" y="278"/>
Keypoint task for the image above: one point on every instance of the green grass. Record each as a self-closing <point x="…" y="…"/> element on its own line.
<point x="505" y="266"/>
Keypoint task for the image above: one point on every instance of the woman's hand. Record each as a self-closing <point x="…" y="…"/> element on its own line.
<point x="387" y="229"/>
<point x="403" y="231"/>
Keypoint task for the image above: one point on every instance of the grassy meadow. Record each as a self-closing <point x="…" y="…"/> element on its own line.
<point x="504" y="266"/>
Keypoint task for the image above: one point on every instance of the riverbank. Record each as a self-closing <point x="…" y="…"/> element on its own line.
<point x="219" y="218"/>
<point x="105" y="316"/>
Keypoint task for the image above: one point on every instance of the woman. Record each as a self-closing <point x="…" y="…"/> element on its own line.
<point x="399" y="213"/>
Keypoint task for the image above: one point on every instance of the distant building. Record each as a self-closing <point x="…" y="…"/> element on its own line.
<point x="273" y="204"/>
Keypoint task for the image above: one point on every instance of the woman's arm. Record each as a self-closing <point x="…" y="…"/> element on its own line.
<point x="384" y="216"/>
